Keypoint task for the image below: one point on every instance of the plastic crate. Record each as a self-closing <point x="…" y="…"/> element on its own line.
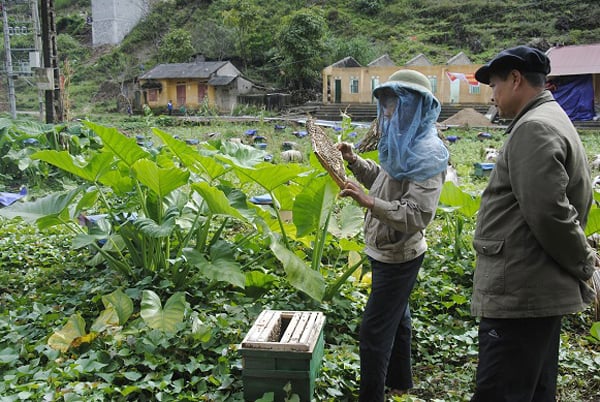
<point x="283" y="347"/>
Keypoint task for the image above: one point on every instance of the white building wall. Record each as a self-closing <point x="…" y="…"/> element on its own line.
<point x="113" y="19"/>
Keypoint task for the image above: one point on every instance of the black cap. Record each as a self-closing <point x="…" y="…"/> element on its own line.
<point x="523" y="58"/>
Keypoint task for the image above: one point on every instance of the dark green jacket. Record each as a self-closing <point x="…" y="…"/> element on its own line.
<point x="532" y="254"/>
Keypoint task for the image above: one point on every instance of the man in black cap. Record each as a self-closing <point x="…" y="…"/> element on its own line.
<point x="533" y="259"/>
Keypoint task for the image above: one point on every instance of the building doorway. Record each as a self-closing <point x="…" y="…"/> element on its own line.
<point x="181" y="98"/>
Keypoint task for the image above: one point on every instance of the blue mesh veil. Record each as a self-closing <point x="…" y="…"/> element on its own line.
<point x="409" y="147"/>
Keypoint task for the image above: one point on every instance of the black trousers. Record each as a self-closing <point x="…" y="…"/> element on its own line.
<point x="518" y="360"/>
<point x="385" y="331"/>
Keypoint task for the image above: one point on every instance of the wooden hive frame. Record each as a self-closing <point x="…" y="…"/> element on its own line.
<point x="300" y="335"/>
<point x="327" y="153"/>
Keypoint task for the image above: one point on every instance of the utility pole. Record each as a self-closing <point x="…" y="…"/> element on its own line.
<point x="37" y="40"/>
<point x="8" y="62"/>
<point x="54" y="109"/>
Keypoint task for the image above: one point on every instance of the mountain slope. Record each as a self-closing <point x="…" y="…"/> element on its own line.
<point x="249" y="34"/>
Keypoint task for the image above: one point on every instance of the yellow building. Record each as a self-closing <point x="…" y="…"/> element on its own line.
<point x="346" y="81"/>
<point x="189" y="85"/>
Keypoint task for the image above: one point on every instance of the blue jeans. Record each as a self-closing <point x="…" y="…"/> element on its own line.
<point x="385" y="331"/>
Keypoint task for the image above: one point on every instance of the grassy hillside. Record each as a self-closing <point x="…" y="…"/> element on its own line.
<point x="258" y="37"/>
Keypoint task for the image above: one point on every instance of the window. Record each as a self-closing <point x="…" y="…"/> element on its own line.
<point x="152" y="95"/>
<point x="353" y="85"/>
<point x="474" y="89"/>
<point x="433" y="82"/>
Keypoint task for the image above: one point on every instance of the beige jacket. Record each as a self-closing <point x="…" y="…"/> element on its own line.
<point x="394" y="227"/>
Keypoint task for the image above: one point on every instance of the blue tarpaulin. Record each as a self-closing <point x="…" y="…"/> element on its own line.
<point x="264" y="199"/>
<point x="7" y="199"/>
<point x="575" y="95"/>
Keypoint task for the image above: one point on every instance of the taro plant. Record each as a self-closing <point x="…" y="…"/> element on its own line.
<point x="149" y="212"/>
<point x="458" y="208"/>
<point x="170" y="213"/>
<point x="20" y="139"/>
<point x="118" y="308"/>
<point x="311" y="196"/>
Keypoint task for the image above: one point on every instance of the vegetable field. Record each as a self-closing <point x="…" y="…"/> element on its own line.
<point x="144" y="249"/>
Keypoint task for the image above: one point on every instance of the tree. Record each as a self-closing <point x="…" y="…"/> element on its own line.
<point x="176" y="47"/>
<point x="300" y="44"/>
<point x="251" y="30"/>
<point x="214" y="41"/>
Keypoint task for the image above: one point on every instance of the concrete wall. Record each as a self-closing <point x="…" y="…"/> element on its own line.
<point x="113" y="19"/>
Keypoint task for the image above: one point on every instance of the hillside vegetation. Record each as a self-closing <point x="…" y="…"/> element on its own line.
<point x="285" y="44"/>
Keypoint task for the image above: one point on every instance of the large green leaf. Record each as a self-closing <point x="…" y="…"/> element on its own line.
<point x="238" y="154"/>
<point x="222" y="266"/>
<point x="454" y="196"/>
<point x="350" y="245"/>
<point x="285" y="195"/>
<point x="92" y="171"/>
<point x="120" y="182"/>
<point x="118" y="307"/>
<point x="43" y="211"/>
<point x="87" y="200"/>
<point x="191" y="158"/>
<point x="165" y="319"/>
<point x="298" y="274"/>
<point x="593" y="223"/>
<point x="269" y="176"/>
<point x="160" y="180"/>
<point x="595" y="331"/>
<point x="258" y="282"/>
<point x="348" y="223"/>
<point x="32" y="128"/>
<point x="82" y="240"/>
<point x="151" y="228"/>
<point x="125" y="148"/>
<point x="216" y="200"/>
<point x="121" y="303"/>
<point x="313" y="205"/>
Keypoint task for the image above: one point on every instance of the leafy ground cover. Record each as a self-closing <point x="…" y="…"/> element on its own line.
<point x="73" y="330"/>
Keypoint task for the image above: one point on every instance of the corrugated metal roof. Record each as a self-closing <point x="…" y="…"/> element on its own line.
<point x="202" y="69"/>
<point x="574" y="60"/>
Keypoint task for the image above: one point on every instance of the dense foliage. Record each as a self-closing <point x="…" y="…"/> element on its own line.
<point x="75" y="325"/>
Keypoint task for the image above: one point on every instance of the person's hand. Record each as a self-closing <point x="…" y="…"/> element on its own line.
<point x="347" y="153"/>
<point x="354" y="190"/>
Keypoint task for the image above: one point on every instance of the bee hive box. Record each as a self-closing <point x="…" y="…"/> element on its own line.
<point x="282" y="347"/>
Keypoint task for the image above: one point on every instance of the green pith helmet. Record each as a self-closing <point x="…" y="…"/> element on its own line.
<point x="411" y="78"/>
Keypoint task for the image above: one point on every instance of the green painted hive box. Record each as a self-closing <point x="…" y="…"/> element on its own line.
<point x="281" y="348"/>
